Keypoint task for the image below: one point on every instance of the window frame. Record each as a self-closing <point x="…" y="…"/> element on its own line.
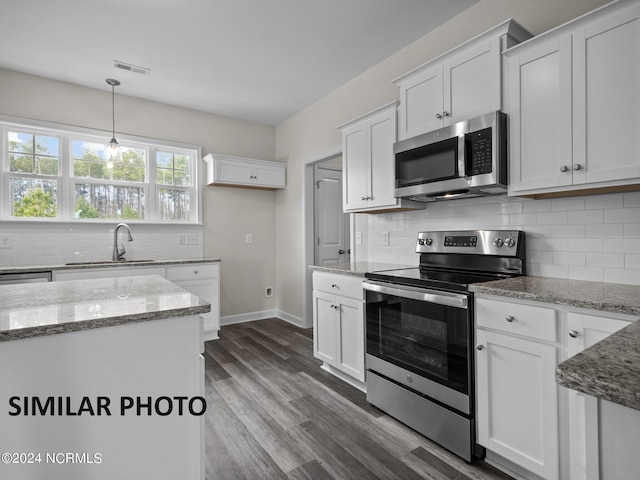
<point x="66" y="182"/>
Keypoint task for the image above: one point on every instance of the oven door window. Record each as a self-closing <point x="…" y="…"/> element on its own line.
<point x="426" y="338"/>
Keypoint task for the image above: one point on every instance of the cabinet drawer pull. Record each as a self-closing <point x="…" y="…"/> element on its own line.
<point x="574" y="333"/>
<point x="333" y="285"/>
<point x="510" y="318"/>
<point x="195" y="272"/>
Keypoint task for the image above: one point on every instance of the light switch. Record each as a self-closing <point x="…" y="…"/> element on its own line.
<point x="358" y="238"/>
<point x="248" y="239"/>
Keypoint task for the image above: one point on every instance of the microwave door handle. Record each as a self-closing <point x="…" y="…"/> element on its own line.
<point x="421" y="294"/>
<point x="462" y="161"/>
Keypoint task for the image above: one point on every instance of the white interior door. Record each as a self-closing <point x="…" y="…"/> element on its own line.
<point x="331" y="224"/>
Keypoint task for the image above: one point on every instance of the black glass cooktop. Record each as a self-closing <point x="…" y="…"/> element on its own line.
<point x="440" y="279"/>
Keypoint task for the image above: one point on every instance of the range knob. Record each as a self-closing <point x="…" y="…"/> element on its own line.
<point x="428" y="241"/>
<point x="421" y="241"/>
<point x="510" y="242"/>
<point x="498" y="242"/>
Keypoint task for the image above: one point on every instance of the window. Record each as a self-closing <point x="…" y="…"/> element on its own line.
<point x="56" y="174"/>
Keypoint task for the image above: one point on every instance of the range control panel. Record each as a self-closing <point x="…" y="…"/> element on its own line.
<point x="483" y="242"/>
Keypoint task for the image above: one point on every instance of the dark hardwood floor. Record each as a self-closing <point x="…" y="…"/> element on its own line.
<point x="274" y="414"/>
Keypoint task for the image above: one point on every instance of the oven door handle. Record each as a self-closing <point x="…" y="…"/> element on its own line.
<point x="422" y="294"/>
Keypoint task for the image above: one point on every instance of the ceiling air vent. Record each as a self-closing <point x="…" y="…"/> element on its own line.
<point x="131" y="68"/>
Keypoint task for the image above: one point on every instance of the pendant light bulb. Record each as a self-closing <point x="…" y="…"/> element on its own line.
<point x="113" y="153"/>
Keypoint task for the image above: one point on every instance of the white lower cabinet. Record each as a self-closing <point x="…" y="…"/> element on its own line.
<point x="529" y="425"/>
<point x="584" y="411"/>
<point x="203" y="280"/>
<point x="517" y="396"/>
<point x="338" y="325"/>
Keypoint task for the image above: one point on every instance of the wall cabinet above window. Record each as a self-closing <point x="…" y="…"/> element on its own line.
<point x="225" y="170"/>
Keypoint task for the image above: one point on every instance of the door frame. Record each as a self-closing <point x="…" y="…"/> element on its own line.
<point x="316" y="233"/>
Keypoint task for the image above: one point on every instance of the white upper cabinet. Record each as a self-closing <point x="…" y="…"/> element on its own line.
<point x="245" y="172"/>
<point x="368" y="163"/>
<point x="573" y="99"/>
<point x="460" y="84"/>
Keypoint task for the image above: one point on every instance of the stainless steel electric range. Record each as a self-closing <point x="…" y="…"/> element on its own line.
<point x="420" y="332"/>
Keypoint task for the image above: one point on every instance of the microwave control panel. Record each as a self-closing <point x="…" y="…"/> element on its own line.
<point x="479" y="152"/>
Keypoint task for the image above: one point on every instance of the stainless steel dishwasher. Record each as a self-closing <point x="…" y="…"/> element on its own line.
<point x="30" y="277"/>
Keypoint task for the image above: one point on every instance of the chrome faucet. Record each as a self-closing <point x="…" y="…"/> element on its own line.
<point x="118" y="254"/>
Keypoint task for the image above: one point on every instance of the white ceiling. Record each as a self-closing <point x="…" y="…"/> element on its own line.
<point x="258" y="60"/>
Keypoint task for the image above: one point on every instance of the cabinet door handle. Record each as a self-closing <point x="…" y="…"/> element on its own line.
<point x="480" y="347"/>
<point x="333" y="285"/>
<point x="438" y="116"/>
<point x="510" y="318"/>
<point x="574" y="333"/>
<point x="445" y="114"/>
<point x="340" y="251"/>
<point x="195" y="272"/>
<point x="577" y="166"/>
<point x="564" y="168"/>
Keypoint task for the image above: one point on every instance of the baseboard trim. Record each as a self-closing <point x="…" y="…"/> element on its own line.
<point x="262" y="315"/>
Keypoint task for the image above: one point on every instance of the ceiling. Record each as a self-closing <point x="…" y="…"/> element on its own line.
<point x="255" y="60"/>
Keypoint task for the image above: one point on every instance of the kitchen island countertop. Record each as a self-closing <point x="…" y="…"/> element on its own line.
<point x="38" y="309"/>
<point x="610" y="369"/>
<point x="89" y="264"/>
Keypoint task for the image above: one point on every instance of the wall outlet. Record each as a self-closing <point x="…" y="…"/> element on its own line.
<point x="358" y="238"/>
<point x="268" y="292"/>
<point x="191" y="238"/>
<point x="5" y="241"/>
<point x="181" y="240"/>
<point x="385" y="238"/>
<point x="248" y="238"/>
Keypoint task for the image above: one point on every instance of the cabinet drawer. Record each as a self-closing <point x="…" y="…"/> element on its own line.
<point x="195" y="271"/>
<point x="517" y="319"/>
<point x="337" y="284"/>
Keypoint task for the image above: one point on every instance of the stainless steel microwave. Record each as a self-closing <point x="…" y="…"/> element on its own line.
<point x="468" y="159"/>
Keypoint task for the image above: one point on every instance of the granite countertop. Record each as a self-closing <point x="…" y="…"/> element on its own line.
<point x="608" y="297"/>
<point x="358" y="268"/>
<point x="37" y="309"/>
<point x="610" y="369"/>
<point x="102" y="264"/>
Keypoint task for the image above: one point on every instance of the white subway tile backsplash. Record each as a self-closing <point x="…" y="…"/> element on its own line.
<point x="567" y="204"/>
<point x="631" y="199"/>
<point x="48" y="243"/>
<point x="626" y="276"/>
<point x="553" y="218"/>
<point x="605" y="260"/>
<point x="596" y="202"/>
<point x="605" y="231"/>
<point x="591" y="274"/>
<point x="569" y="258"/>
<point x="586" y="216"/>
<point x="622" y="215"/>
<point x="536" y="205"/>
<point x="586" y="238"/>
<point x="569" y="231"/>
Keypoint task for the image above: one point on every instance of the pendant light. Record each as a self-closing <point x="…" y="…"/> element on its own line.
<point x="112" y="150"/>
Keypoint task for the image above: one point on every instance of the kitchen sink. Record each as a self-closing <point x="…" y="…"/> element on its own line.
<point x="109" y="262"/>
